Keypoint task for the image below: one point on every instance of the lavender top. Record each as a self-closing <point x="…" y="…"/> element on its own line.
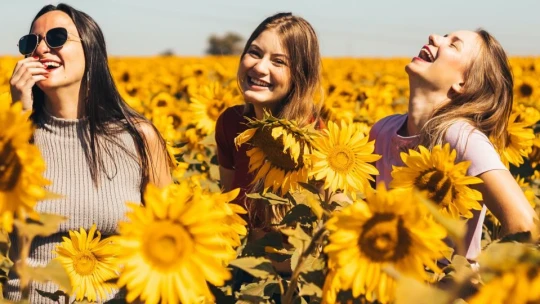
<point x="470" y="144"/>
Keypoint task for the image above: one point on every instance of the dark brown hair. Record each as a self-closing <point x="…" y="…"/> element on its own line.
<point x="106" y="111"/>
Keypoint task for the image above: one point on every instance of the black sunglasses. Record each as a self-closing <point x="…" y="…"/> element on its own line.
<point x="55" y="38"/>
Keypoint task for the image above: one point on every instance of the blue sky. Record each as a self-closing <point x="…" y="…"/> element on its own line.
<point x="374" y="28"/>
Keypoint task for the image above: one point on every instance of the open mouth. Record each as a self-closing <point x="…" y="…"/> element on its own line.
<point x="51" y="65"/>
<point x="257" y="82"/>
<point x="426" y="55"/>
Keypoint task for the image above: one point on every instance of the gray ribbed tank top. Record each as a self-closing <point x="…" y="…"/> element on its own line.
<point x="61" y="145"/>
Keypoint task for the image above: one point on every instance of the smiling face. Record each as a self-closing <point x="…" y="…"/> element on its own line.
<point x="443" y="62"/>
<point x="66" y="64"/>
<point x="264" y="73"/>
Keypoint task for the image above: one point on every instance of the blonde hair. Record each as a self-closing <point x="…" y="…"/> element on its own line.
<point x="485" y="101"/>
<point x="299" y="40"/>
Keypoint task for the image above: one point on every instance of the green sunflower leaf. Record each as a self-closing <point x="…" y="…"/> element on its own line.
<point x="47" y="225"/>
<point x="269" y="197"/>
<point x="258" y="267"/>
<point x="54" y="271"/>
<point x="299" y="214"/>
<point x="309" y="187"/>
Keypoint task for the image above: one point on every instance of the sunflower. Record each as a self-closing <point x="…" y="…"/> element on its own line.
<point x="177" y="111"/>
<point x="162" y="100"/>
<point x="520" y="141"/>
<point x="445" y="181"/>
<point x="510" y="273"/>
<point x="21" y="166"/>
<point x="90" y="262"/>
<point x="193" y="75"/>
<point x="389" y="229"/>
<point x="527" y="190"/>
<point x="332" y="284"/>
<point x="341" y="157"/>
<point x="209" y="103"/>
<point x="534" y="155"/>
<point x="233" y="212"/>
<point x="277" y="153"/>
<point x="173" y="246"/>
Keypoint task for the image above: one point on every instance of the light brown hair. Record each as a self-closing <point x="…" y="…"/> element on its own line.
<point x="485" y="101"/>
<point x="299" y="40"/>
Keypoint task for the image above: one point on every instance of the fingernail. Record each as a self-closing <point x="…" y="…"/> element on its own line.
<point x="35" y="57"/>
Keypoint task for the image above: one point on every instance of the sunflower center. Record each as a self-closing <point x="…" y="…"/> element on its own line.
<point x="384" y="238"/>
<point x="161" y="103"/>
<point x="439" y="186"/>
<point x="214" y="109"/>
<point x="341" y="159"/>
<point x="167" y="243"/>
<point x="85" y="263"/>
<point x="10" y="166"/>
<point x="273" y="150"/>
<point x="176" y="121"/>
<point x="526" y="90"/>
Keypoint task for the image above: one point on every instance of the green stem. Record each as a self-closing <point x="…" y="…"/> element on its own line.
<point x="288" y="297"/>
<point x="21" y="268"/>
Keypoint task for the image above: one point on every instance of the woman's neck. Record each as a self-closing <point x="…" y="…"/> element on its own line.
<point x="259" y="110"/>
<point x="64" y="103"/>
<point x="422" y="104"/>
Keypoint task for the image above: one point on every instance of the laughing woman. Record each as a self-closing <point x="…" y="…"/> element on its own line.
<point x="461" y="94"/>
<point x="280" y="71"/>
<point x="99" y="152"/>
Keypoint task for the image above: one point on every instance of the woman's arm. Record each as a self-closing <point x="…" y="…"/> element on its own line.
<point x="159" y="172"/>
<point x="505" y="199"/>
<point x="226" y="177"/>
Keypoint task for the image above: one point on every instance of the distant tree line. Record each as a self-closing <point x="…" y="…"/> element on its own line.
<point x="228" y="44"/>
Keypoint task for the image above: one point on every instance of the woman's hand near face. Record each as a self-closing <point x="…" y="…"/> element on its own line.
<point x="27" y="72"/>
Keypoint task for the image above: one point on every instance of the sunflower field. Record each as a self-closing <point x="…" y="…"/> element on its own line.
<point x="341" y="238"/>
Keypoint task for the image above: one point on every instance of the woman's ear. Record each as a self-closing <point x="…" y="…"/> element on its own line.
<point x="457" y="87"/>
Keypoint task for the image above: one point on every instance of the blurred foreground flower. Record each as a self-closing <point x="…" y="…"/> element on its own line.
<point x="232" y="211"/>
<point x="510" y="274"/>
<point x="173" y="245"/>
<point x="389" y="229"/>
<point x="21" y="166"/>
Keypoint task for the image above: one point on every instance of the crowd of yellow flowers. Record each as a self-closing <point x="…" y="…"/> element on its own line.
<point x="187" y="244"/>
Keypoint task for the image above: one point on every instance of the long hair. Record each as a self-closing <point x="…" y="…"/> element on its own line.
<point x="485" y="101"/>
<point x="300" y="42"/>
<point x="304" y="100"/>
<point x="106" y="111"/>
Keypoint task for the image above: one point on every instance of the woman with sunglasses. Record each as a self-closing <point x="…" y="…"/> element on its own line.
<point x="460" y="93"/>
<point x="99" y="152"/>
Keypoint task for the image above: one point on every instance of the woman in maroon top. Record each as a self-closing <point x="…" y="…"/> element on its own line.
<point x="280" y="71"/>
